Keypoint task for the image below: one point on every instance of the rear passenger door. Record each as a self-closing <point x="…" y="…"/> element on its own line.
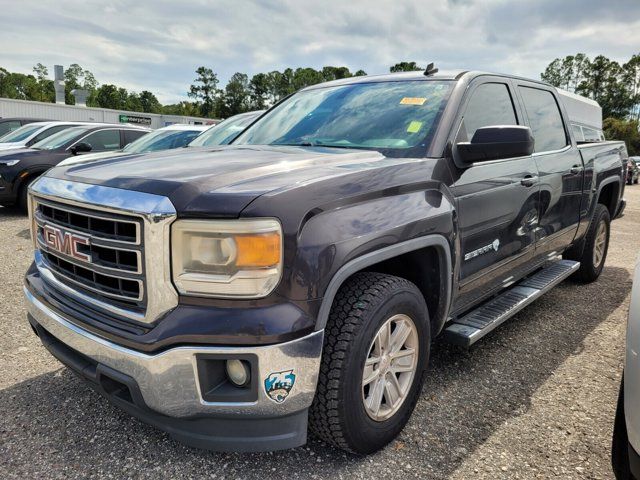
<point x="559" y="165"/>
<point x="497" y="200"/>
<point x="103" y="140"/>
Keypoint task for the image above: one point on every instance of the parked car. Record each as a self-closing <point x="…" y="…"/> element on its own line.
<point x="237" y="295"/>
<point x="633" y="170"/>
<point x="10" y="124"/>
<point x="226" y="131"/>
<point x="626" y="430"/>
<point x="20" y="167"/>
<point x="33" y="133"/>
<point x="166" y="138"/>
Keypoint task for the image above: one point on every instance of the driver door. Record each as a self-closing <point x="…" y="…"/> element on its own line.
<point x="497" y="200"/>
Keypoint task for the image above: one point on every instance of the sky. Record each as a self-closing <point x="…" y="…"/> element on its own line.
<point x="156" y="45"/>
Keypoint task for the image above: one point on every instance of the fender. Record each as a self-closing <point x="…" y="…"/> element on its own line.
<point x="357" y="264"/>
<point x="28" y="172"/>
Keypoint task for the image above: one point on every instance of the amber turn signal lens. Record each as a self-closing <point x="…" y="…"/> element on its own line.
<point x="262" y="250"/>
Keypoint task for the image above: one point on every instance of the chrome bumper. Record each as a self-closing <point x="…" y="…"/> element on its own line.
<point x="168" y="381"/>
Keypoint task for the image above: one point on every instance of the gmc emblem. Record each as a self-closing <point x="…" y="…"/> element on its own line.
<point x="65" y="242"/>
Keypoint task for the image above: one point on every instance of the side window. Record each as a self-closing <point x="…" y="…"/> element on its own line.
<point x="591" y="134"/>
<point x="577" y="133"/>
<point x="489" y="105"/>
<point x="48" y="132"/>
<point x="131" y="135"/>
<point x="103" y="140"/>
<point x="545" y="119"/>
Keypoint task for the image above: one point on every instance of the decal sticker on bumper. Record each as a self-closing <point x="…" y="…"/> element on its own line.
<point x="277" y="385"/>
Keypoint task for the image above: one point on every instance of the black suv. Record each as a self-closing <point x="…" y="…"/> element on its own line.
<point x="20" y="167"/>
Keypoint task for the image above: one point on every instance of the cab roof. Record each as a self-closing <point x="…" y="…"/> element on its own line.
<point x="418" y="75"/>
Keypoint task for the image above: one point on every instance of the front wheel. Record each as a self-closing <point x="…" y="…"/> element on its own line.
<point x="376" y="349"/>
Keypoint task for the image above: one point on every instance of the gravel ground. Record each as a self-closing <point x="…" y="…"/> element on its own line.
<point x="536" y="398"/>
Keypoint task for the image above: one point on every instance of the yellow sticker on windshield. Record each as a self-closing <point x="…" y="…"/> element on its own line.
<point x="413" y="101"/>
<point x="414" y="127"/>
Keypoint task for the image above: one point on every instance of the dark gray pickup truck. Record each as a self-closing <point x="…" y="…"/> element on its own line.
<point x="239" y="296"/>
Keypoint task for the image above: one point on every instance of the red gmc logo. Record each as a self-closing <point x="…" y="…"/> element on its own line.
<point x="65" y="242"/>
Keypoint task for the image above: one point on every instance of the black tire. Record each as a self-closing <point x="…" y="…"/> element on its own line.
<point x="590" y="270"/>
<point x="22" y="200"/>
<point x="620" y="443"/>
<point x="361" y="307"/>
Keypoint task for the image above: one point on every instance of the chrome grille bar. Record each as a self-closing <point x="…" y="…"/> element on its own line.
<point x="121" y="266"/>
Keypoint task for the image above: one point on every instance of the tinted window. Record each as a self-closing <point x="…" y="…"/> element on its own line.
<point x="489" y="105"/>
<point x="131" y="135"/>
<point x="103" y="140"/>
<point x="544" y="118"/>
<point x="48" y="132"/>
<point x="6" y="127"/>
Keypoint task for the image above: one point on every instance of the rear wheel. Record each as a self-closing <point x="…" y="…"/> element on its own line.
<point x="596" y="246"/>
<point x="376" y="350"/>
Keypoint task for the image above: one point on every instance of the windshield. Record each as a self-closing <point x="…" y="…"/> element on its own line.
<point x="20" y="133"/>
<point x="226" y="131"/>
<point x="60" y="138"/>
<point x="161" y="140"/>
<point x="396" y="118"/>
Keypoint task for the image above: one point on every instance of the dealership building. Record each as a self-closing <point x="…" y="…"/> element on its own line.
<point x="76" y="113"/>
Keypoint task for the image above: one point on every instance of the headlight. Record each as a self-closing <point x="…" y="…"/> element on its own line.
<point x="9" y="163"/>
<point x="226" y="258"/>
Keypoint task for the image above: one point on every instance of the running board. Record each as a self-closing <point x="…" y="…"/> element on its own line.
<point x="467" y="330"/>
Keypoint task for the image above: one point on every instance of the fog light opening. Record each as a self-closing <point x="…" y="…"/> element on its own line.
<point x="238" y="372"/>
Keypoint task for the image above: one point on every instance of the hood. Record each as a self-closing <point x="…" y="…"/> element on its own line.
<point x="8" y="145"/>
<point x="18" y="153"/>
<point x="221" y="181"/>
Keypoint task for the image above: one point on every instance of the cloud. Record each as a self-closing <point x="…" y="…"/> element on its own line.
<point x="157" y="45"/>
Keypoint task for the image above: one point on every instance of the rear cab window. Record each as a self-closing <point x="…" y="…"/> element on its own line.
<point x="545" y="119"/>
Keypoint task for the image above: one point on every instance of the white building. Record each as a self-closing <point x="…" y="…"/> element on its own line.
<point x="53" y="111"/>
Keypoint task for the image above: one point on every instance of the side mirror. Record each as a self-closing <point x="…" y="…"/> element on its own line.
<point x="82" y="147"/>
<point x="497" y="142"/>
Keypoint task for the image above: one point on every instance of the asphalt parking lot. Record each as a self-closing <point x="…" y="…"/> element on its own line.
<point x="535" y="399"/>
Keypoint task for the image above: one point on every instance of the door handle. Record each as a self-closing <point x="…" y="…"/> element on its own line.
<point x="529" y="181"/>
<point x="576" y="169"/>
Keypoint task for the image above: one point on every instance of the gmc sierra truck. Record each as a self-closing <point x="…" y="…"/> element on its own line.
<point x="237" y="296"/>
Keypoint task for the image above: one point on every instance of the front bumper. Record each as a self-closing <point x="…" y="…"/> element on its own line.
<point x="165" y="389"/>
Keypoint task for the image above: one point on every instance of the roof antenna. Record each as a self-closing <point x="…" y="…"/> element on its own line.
<point x="430" y="70"/>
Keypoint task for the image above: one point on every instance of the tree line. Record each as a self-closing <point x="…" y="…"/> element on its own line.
<point x="615" y="86"/>
<point x="241" y="93"/>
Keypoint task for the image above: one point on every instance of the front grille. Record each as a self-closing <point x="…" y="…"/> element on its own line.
<point x="97" y="253"/>
<point x="94" y="224"/>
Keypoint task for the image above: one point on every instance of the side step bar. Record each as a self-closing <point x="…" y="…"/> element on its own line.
<point x="467" y="330"/>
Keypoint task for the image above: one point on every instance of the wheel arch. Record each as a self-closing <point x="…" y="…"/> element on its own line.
<point x="387" y="260"/>
<point x="609" y="194"/>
